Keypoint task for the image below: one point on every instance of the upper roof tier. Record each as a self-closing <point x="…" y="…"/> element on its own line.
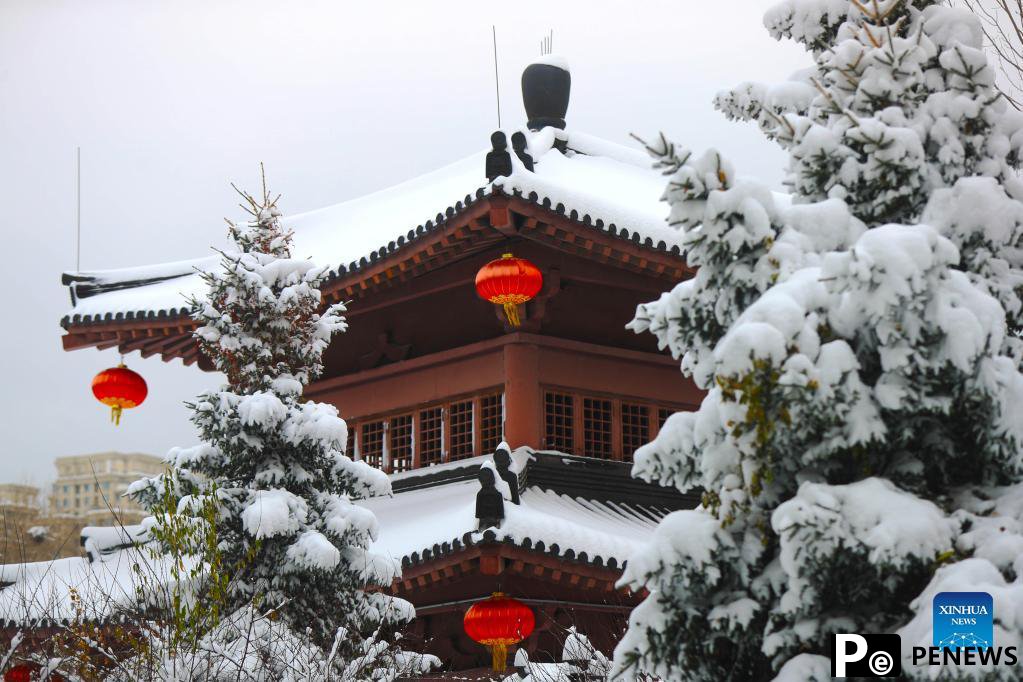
<point x="603" y="185"/>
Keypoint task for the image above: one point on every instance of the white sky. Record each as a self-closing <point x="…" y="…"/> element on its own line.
<point x="172" y="100"/>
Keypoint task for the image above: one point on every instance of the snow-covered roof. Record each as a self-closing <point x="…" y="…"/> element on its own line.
<point x="77" y="589"/>
<point x="602" y="185"/>
<point x="559" y="512"/>
<point x="578" y="509"/>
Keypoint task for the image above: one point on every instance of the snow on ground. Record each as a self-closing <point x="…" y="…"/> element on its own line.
<point x="77" y="589"/>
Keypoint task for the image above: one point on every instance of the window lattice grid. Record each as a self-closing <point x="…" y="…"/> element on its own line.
<point x="635" y="428"/>
<point x="558" y="422"/>
<point x="662" y="416"/>
<point x="431" y="432"/>
<point x="491" y="427"/>
<point x="597" y="418"/>
<point x="460" y="430"/>
<point x="399" y="445"/>
<point x="371" y="443"/>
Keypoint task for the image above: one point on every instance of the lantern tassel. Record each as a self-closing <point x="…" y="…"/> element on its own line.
<point x="115" y="414"/>
<point x="511" y="311"/>
<point x="499" y="657"/>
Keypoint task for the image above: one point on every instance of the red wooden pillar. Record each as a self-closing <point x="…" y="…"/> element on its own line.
<point x="522" y="413"/>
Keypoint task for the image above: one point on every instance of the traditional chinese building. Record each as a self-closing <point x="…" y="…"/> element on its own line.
<point x="431" y="378"/>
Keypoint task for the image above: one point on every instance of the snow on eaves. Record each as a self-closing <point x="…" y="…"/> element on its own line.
<point x="417" y="525"/>
<point x="600" y="184"/>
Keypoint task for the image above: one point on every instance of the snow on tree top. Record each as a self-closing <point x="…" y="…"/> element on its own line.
<point x="608" y="182"/>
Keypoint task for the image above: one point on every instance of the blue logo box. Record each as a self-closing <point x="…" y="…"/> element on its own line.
<point x="963" y="620"/>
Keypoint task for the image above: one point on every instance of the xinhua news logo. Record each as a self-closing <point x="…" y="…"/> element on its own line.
<point x="962" y="634"/>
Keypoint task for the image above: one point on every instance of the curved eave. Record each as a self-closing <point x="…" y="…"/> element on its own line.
<point x="472" y="225"/>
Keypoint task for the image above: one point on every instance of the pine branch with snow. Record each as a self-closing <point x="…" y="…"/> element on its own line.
<point x="861" y="433"/>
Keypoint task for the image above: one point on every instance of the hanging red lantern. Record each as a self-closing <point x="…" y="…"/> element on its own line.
<point x="120" y="389"/>
<point x="509" y="282"/>
<point x="26" y="672"/>
<point x="22" y="673"/>
<point x="499" y="622"/>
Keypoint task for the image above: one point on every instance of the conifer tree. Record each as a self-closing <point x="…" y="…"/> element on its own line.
<point x="288" y="525"/>
<point x="859" y="444"/>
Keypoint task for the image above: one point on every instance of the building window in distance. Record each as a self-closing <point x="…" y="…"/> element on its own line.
<point x="558" y="422"/>
<point x="372" y="444"/>
<point x="597" y="428"/>
<point x="491" y="427"/>
<point x="431" y="436"/>
<point x="460" y="430"/>
<point x="635" y="428"/>
<point x="399" y="446"/>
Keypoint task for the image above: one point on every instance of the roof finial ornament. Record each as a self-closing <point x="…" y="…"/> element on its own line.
<point x="498" y="159"/>
<point x="546" y="85"/>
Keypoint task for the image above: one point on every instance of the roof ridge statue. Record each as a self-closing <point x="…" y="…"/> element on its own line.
<point x="498" y="162"/>
<point x="519" y="146"/>
<point x="502" y="459"/>
<point x="489" y="500"/>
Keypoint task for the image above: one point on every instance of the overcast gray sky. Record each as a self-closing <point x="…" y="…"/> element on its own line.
<point x="170" y="101"/>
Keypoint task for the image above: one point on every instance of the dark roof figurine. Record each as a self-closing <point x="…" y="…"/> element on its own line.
<point x="502" y="458"/>
<point x="498" y="159"/>
<point x="519" y="145"/>
<point x="489" y="500"/>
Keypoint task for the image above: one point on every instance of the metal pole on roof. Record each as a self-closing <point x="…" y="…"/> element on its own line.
<point x="78" y="210"/>
<point x="497" y="81"/>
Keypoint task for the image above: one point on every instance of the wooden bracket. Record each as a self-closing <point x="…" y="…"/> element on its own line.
<point x="500" y="216"/>
<point x="385" y="349"/>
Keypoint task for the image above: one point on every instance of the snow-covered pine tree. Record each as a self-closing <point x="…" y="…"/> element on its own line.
<point x="288" y="525"/>
<point x="859" y="444"/>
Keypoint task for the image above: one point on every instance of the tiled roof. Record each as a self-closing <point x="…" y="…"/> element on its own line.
<point x="597" y="184"/>
<point x="576" y="508"/>
<point x="584" y="512"/>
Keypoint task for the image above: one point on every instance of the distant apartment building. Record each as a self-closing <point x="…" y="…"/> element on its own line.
<point x="14" y="497"/>
<point x="92" y="486"/>
<point x="27" y="533"/>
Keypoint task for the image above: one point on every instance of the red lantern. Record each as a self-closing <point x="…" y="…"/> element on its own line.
<point x="120" y="389"/>
<point x="22" y="673"/>
<point x="509" y="282"/>
<point x="498" y="622"/>
<point x="26" y="672"/>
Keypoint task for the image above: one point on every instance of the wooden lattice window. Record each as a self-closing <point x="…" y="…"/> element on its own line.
<point x="662" y="415"/>
<point x="491" y="426"/>
<point x="371" y="443"/>
<point x="559" y="418"/>
<point x="597" y="417"/>
<point x="460" y="430"/>
<point x="431" y="436"/>
<point x="399" y="445"/>
<point x="635" y="428"/>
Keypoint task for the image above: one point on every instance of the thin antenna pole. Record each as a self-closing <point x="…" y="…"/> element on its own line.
<point x="497" y="80"/>
<point x="78" y="209"/>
